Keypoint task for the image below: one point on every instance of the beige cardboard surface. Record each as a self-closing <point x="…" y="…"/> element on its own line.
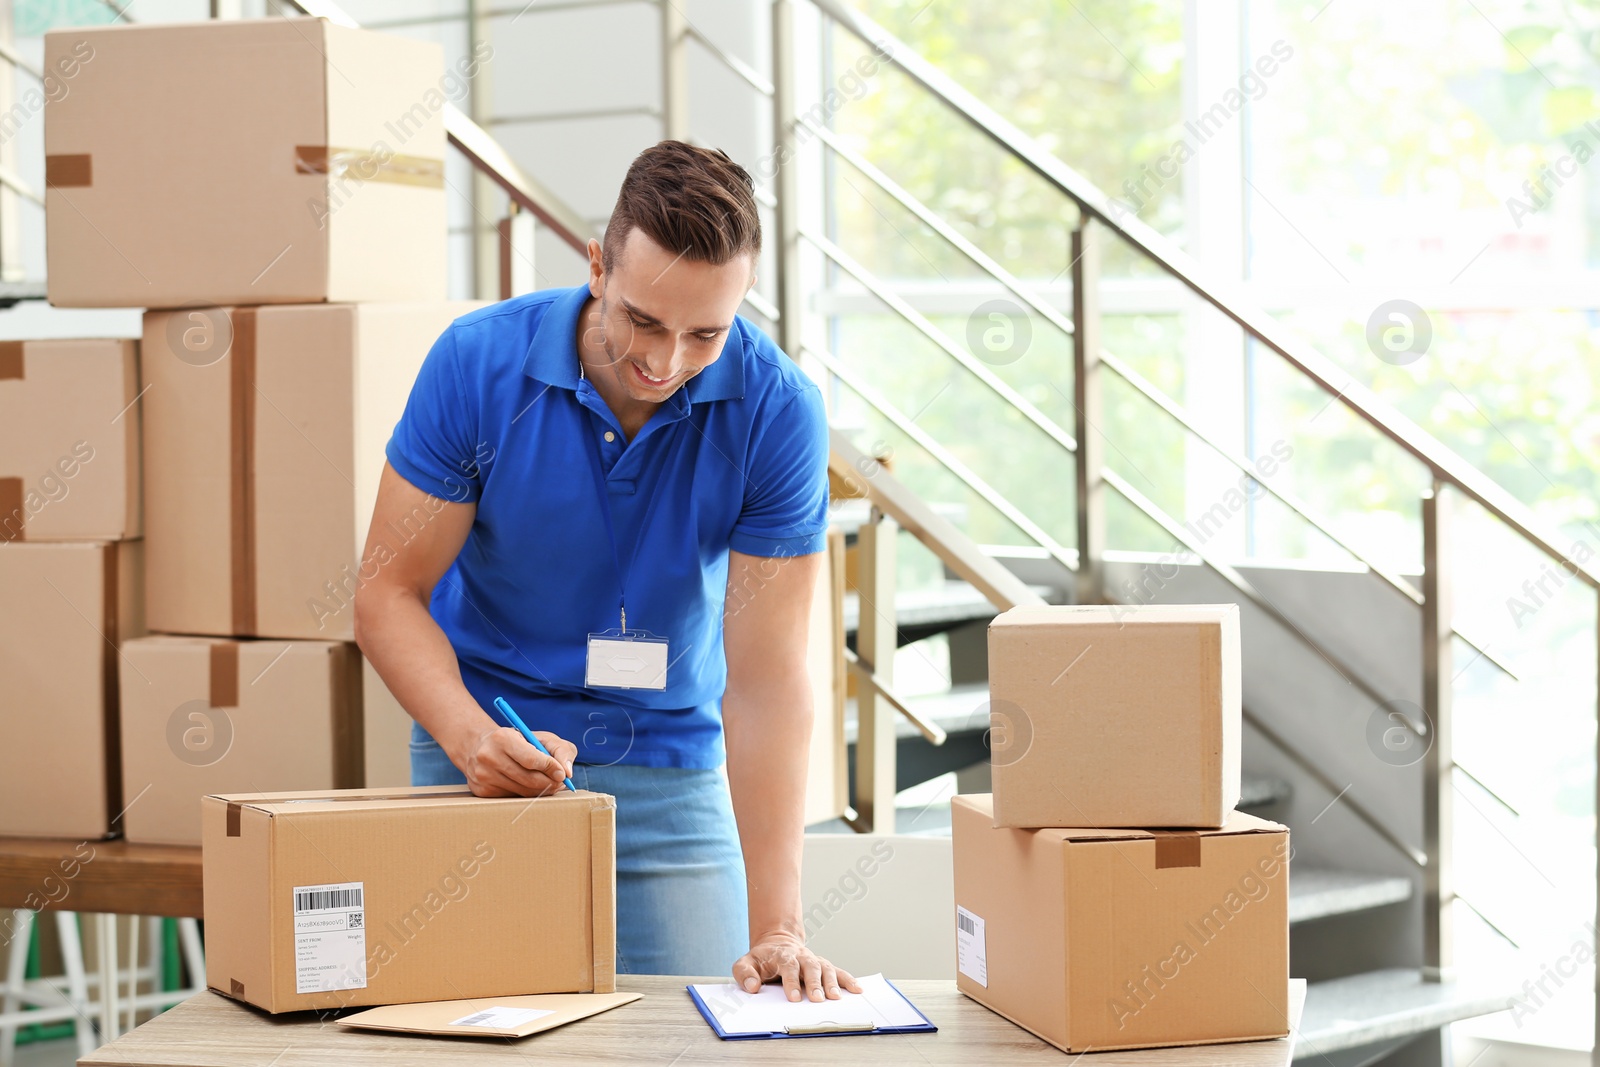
<point x="264" y="437"/>
<point x="69" y="440"/>
<point x="1103" y="939"/>
<point x="1115" y="715"/>
<point x="447" y="884"/>
<point x="167" y="130"/>
<point x="211" y="715"/>
<point x="440" y="1016"/>
<point x="386" y="732"/>
<point x="66" y="607"/>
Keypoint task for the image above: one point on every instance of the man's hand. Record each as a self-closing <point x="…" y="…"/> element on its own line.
<point x="804" y="973"/>
<point x="499" y="762"/>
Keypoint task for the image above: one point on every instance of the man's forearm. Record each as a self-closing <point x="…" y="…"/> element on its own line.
<point x="767" y="727"/>
<point x="416" y="661"/>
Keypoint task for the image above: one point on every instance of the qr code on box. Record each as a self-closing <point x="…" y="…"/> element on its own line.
<point x="355" y="920"/>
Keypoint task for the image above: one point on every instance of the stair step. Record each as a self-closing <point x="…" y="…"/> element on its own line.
<point x="949" y="604"/>
<point x="1316" y="893"/>
<point x="1387" y="1005"/>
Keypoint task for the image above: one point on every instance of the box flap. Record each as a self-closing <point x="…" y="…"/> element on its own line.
<point x="1112" y="614"/>
<point x="1238" y="823"/>
<point x="443" y="1016"/>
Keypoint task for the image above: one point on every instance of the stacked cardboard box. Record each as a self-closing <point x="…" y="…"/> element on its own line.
<point x="70" y="577"/>
<point x="273" y="192"/>
<point x="1108" y="894"/>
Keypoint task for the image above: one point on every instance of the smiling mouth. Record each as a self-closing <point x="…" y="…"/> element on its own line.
<point x="654" y="383"/>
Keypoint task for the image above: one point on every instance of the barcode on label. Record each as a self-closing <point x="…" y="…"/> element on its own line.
<point x="479" y="1019"/>
<point x="326" y="899"/>
<point x="966" y="924"/>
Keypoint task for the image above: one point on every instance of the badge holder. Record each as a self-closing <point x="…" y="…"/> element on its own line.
<point x="626" y="659"/>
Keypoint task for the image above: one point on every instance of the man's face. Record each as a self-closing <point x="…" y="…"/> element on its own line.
<point x="664" y="317"/>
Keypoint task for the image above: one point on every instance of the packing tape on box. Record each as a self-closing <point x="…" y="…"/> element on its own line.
<point x="369" y="166"/>
<point x="241" y="475"/>
<point x="11" y="362"/>
<point x="235" y="806"/>
<point x="64" y="171"/>
<point x="12" y="516"/>
<point x="1177" y="849"/>
<point x="224" y="674"/>
<point x="110" y="691"/>
<point x="602" y="895"/>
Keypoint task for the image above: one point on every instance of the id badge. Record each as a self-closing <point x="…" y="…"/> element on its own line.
<point x="626" y="659"/>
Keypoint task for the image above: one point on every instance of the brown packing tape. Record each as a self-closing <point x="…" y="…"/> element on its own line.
<point x="12" y="517"/>
<point x="1175" y="849"/>
<point x="235" y="987"/>
<point x="602" y="897"/>
<point x="347" y="707"/>
<point x="225" y="674"/>
<point x="68" y="171"/>
<point x="111" y="691"/>
<point x="234" y="811"/>
<point x="242" y="504"/>
<point x="12" y="365"/>
<point x="369" y="166"/>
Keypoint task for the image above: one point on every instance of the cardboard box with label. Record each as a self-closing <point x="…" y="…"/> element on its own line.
<point x="1106" y="938"/>
<point x="69" y="440"/>
<point x="367" y="897"/>
<point x="252" y="161"/>
<point x="1115" y="715"/>
<point x="67" y="606"/>
<point x="217" y="715"/>
<point x="264" y="435"/>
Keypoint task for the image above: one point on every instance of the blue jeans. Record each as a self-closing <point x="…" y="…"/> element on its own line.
<point x="681" y="905"/>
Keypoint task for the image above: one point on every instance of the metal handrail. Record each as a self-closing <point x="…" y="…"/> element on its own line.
<point x="1225" y="297"/>
<point x="1049" y="313"/>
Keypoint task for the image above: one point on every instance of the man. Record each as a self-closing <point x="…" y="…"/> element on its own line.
<point x="599" y="466"/>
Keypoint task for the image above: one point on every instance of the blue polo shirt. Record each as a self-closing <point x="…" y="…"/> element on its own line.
<point x="735" y="459"/>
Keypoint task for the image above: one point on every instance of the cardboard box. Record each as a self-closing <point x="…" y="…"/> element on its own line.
<point x="66" y="608"/>
<point x="1105" y="939"/>
<point x="264" y="435"/>
<point x="69" y="440"/>
<point x="368" y="897"/>
<point x="216" y="715"/>
<point x="1115" y="716"/>
<point x="252" y="161"/>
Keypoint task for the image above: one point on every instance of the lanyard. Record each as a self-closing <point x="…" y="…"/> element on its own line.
<point x="611" y="532"/>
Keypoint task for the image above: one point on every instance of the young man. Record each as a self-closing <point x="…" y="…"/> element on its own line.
<point x="614" y="458"/>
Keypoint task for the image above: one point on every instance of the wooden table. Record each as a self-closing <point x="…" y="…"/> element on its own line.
<point x="100" y="877"/>
<point x="663" y="1028"/>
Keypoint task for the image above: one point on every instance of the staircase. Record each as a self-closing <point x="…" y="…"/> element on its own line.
<point x="1372" y="895"/>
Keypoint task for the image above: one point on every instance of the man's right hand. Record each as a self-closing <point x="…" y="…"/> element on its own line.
<point x="499" y="762"/>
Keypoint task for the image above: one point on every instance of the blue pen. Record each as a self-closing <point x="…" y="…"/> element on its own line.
<point x="522" y="728"/>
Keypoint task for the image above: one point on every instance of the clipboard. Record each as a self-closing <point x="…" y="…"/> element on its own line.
<point x="818" y="1027"/>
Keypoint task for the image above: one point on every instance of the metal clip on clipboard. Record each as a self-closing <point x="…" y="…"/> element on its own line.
<point x="827" y="1027"/>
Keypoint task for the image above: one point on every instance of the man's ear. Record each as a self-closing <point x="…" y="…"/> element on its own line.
<point x="597" y="269"/>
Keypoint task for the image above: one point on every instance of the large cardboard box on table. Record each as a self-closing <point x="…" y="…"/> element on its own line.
<point x="1115" y="716"/>
<point x="217" y="715"/>
<point x="260" y="161"/>
<point x="1110" y="938"/>
<point x="264" y="435"/>
<point x="66" y="607"/>
<point x="317" y="900"/>
<point x="69" y="440"/>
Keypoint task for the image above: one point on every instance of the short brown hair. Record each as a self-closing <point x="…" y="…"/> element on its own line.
<point x="696" y="201"/>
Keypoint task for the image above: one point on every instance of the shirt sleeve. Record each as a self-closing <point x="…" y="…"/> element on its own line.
<point x="434" y="446"/>
<point x="785" y="509"/>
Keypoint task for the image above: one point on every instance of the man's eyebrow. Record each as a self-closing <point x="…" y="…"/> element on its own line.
<point x="651" y="320"/>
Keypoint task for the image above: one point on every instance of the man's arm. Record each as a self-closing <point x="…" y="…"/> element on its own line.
<point x="414" y="657"/>
<point x="766" y="716"/>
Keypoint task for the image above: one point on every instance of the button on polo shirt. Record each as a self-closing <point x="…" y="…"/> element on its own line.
<point x="735" y="459"/>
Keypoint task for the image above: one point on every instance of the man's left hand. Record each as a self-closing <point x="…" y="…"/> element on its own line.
<point x="804" y="973"/>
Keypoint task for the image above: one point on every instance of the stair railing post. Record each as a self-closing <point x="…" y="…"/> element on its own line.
<point x="1086" y="388"/>
<point x="674" y="71"/>
<point x="1438" y="823"/>
<point x="876" y="641"/>
<point x="785" y="178"/>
